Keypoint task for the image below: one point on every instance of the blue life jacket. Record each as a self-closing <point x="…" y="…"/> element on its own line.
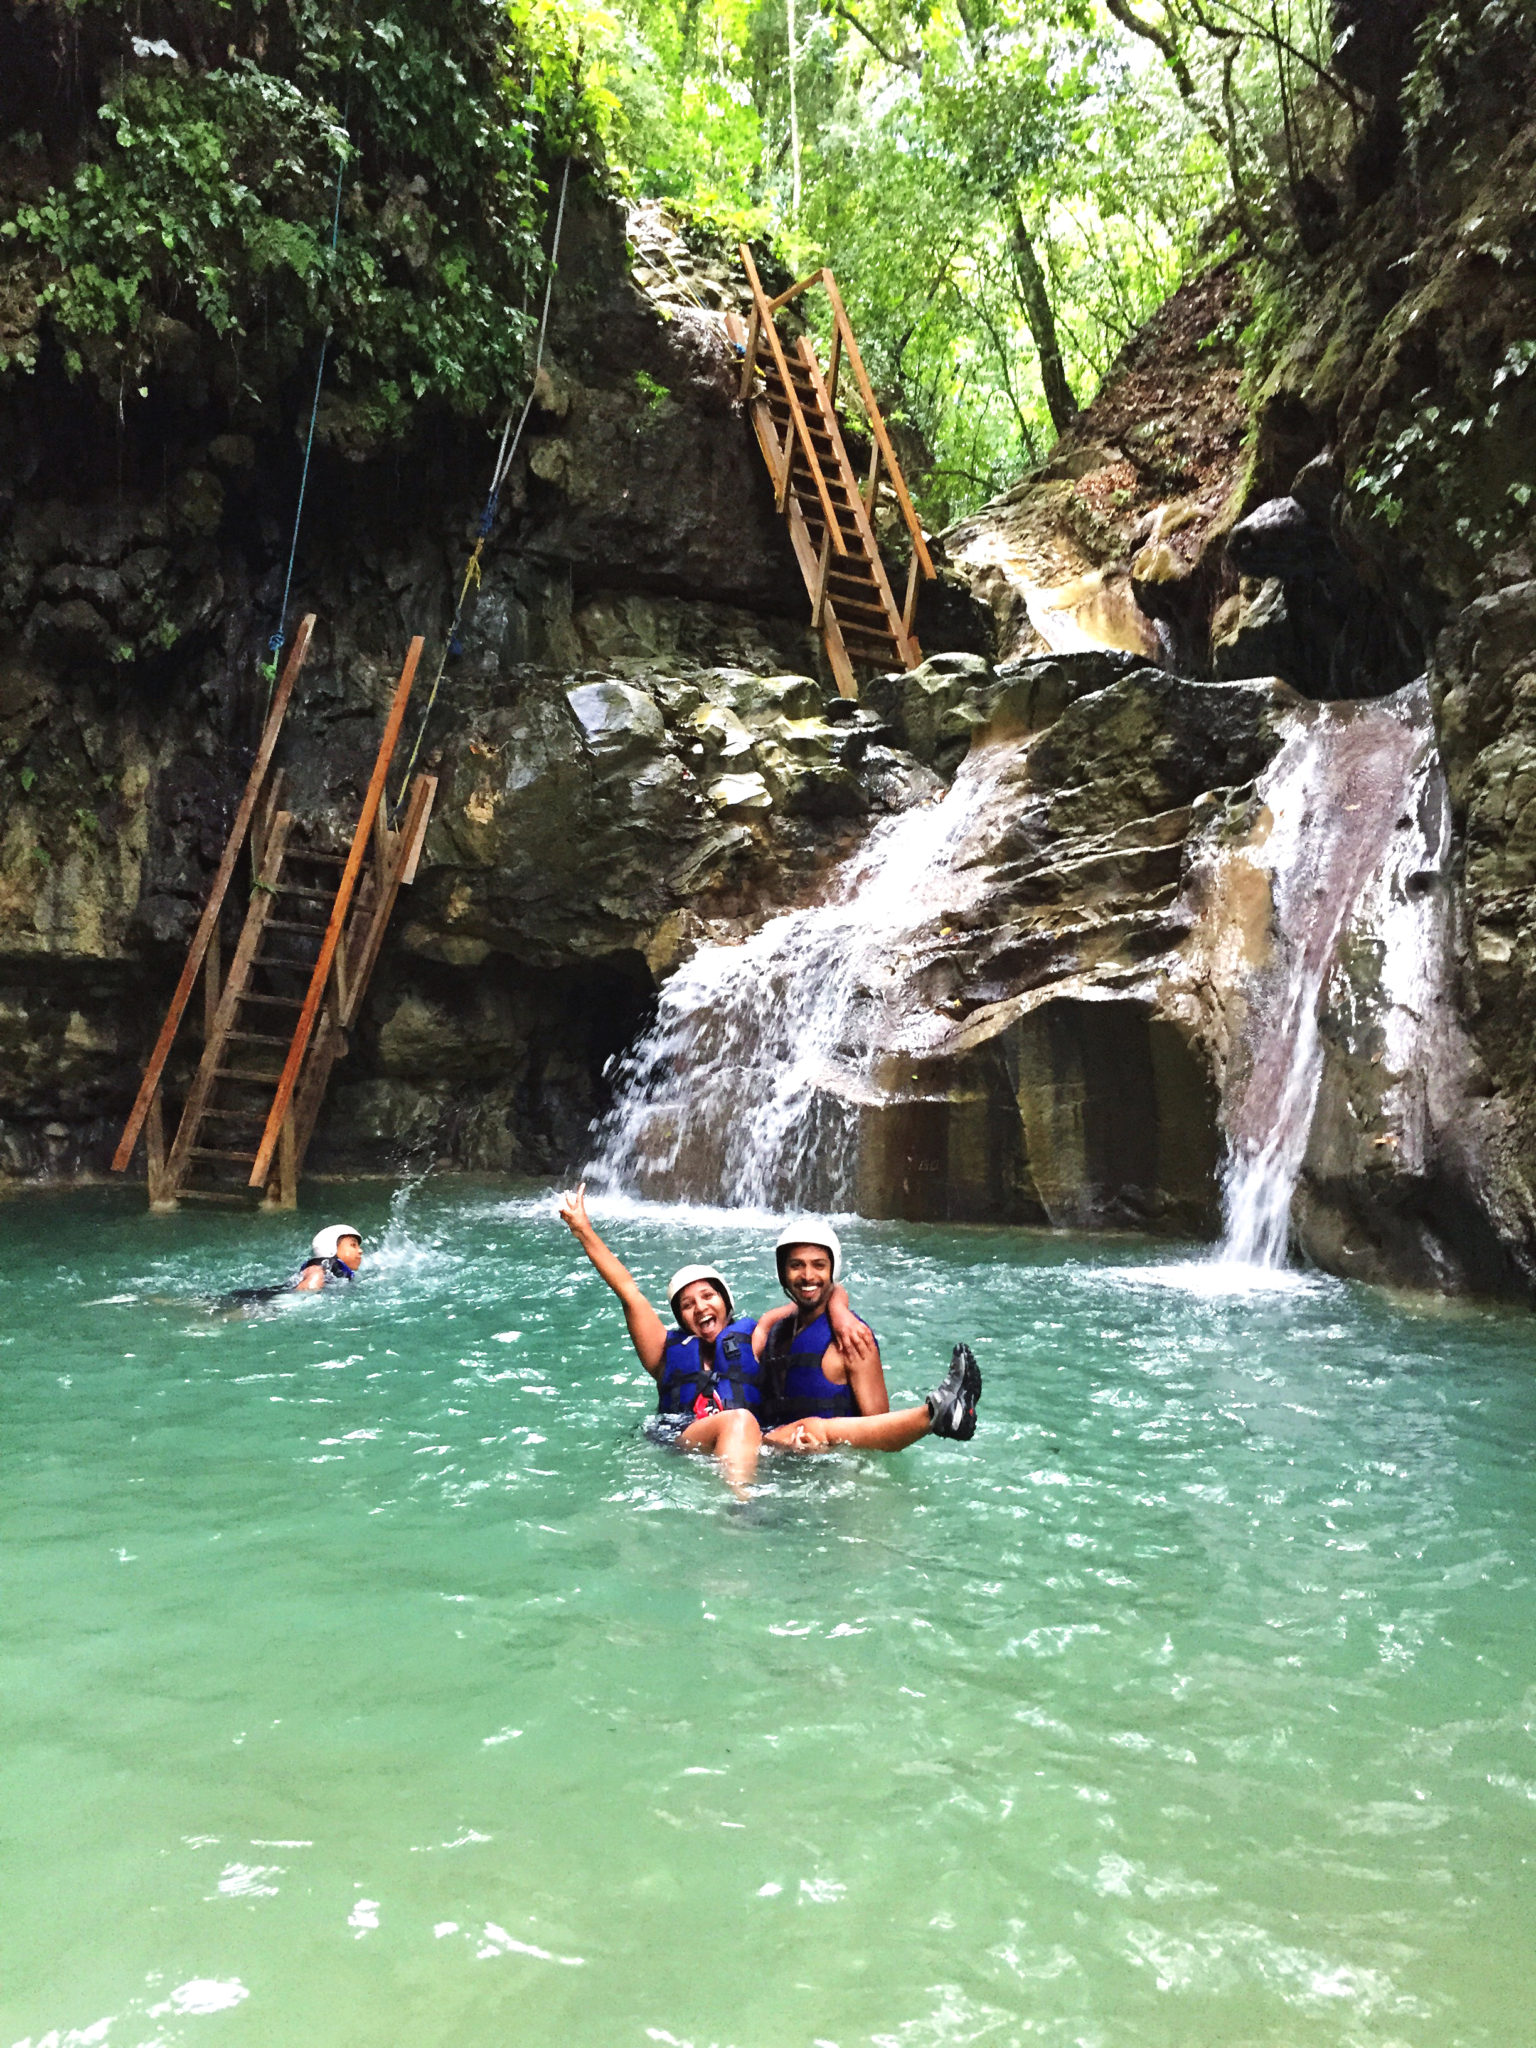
<point x="335" y="1269"/>
<point x="686" y="1386"/>
<point x="797" y="1386"/>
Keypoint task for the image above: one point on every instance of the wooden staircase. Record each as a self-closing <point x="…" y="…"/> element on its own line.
<point x="275" y="1025"/>
<point x="793" y="405"/>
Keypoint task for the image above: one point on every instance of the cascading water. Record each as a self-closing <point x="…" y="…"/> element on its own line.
<point x="747" y="1088"/>
<point x="1359" y="837"/>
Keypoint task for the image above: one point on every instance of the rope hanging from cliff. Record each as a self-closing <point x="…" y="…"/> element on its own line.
<point x="506" y="455"/>
<point x="275" y="644"/>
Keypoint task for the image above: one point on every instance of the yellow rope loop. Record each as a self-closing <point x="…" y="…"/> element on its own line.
<point x="472" y="571"/>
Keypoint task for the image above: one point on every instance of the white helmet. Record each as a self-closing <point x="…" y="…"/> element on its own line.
<point x="808" y="1231"/>
<point x="324" y="1242"/>
<point x="685" y="1277"/>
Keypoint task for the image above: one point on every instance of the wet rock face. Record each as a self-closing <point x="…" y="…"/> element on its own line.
<point x="1484" y="678"/>
<point x="635" y="546"/>
<point x="1076" y="1077"/>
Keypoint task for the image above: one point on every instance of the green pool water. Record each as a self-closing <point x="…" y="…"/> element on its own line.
<point x="370" y="1680"/>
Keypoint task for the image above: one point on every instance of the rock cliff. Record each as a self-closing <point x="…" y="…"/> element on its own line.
<point x="635" y="728"/>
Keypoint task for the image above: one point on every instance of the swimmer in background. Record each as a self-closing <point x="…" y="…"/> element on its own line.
<point x="335" y="1254"/>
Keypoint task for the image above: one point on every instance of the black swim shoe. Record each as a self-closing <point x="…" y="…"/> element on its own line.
<point x="952" y="1406"/>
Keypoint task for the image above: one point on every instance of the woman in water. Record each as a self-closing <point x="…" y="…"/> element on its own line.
<point x="709" y="1392"/>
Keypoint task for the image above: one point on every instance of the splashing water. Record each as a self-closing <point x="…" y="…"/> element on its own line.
<point x="747" y="1089"/>
<point x="1359" y="821"/>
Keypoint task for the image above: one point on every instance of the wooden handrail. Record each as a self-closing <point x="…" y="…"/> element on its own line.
<point x="794" y="291"/>
<point x="877" y="426"/>
<point x="304" y="1029"/>
<point x="208" y="922"/>
<point x="797" y="417"/>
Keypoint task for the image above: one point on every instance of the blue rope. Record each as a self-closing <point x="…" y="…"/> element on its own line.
<point x="275" y="644"/>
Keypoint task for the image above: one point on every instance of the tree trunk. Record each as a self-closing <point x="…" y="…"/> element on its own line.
<point x="794" y="122"/>
<point x="1036" y="300"/>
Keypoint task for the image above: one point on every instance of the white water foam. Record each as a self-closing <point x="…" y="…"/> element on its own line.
<point x="746" y="1091"/>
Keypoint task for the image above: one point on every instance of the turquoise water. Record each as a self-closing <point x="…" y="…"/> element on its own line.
<point x="369" y="1680"/>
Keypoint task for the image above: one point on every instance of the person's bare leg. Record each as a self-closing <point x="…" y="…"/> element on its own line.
<point x="950" y="1410"/>
<point x="852" y="1432"/>
<point x="734" y="1438"/>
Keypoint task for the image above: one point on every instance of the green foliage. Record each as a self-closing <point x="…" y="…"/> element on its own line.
<point x="929" y="140"/>
<point x="207" y="196"/>
<point x="1434" y="455"/>
<point x="651" y="390"/>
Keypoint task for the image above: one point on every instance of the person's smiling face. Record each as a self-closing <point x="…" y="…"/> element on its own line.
<point x="701" y="1309"/>
<point x="350" y="1251"/>
<point x="808" y="1276"/>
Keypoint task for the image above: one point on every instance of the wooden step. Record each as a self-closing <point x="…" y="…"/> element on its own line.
<point x="236" y="1116"/>
<point x="290" y="924"/>
<point x="250" y="995"/>
<point x="266" y="1080"/>
<point x="312" y="895"/>
<point x="255" y="1038"/>
<point x="216" y="1152"/>
<point x="186" y="1194"/>
<point x="317" y="853"/>
<point x="855" y="629"/>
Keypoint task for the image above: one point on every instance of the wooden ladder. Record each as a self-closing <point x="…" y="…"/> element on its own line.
<point x="793" y="405"/>
<point x="274" y="1027"/>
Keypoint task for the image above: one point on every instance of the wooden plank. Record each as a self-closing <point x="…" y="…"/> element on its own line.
<point x="408" y="844"/>
<point x="871" y="546"/>
<point x="209" y="1068"/>
<point x="804" y="285"/>
<point x="802" y="431"/>
<point x="160" y="1196"/>
<point x="819" y="594"/>
<point x="414" y="836"/>
<point x="910" y="606"/>
<point x="877" y="424"/>
<point x="212" y="989"/>
<point x="749" y="361"/>
<point x="837" y="654"/>
<point x="337" y="925"/>
<point x="261" y="824"/>
<point x="872" y="482"/>
<point x="215" y="903"/>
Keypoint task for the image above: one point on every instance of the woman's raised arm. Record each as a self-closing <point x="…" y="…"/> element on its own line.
<point x="646" y="1330"/>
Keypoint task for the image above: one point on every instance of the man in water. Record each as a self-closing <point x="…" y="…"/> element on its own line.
<point x="335" y="1254"/>
<point x="818" y="1391"/>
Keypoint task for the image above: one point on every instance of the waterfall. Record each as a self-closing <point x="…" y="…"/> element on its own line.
<point x="747" y="1088"/>
<point x="1358" y="833"/>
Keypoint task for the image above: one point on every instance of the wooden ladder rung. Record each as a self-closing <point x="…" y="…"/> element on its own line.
<point x="186" y="1194"/>
<point x="255" y="1038"/>
<point x="337" y="860"/>
<point x="250" y="995"/>
<point x="291" y="924"/>
<point x="218" y="1152"/>
<point x="236" y="1116"/>
<point x="312" y="895"/>
<point x="244" y="1074"/>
